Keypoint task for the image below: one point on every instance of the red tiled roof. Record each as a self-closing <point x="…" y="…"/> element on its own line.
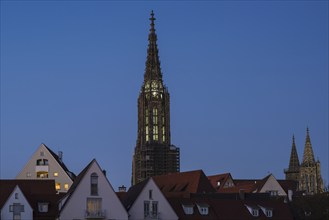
<point x="35" y="191"/>
<point x="222" y="178"/>
<point x="289" y="185"/>
<point x="184" y="183"/>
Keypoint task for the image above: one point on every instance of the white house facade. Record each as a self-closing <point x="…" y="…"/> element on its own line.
<point x="150" y="203"/>
<point x="16" y="206"/>
<point x="45" y="164"/>
<point x="91" y="197"/>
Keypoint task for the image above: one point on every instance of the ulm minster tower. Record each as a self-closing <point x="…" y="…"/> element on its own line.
<point x="154" y="154"/>
<point x="307" y="174"/>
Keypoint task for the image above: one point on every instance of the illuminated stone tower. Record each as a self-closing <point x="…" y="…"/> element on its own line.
<point x="310" y="179"/>
<point x="154" y="154"/>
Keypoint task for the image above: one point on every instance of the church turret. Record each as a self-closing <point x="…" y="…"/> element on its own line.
<point x="292" y="173"/>
<point x="310" y="179"/>
<point x="308" y="156"/>
<point x="154" y="154"/>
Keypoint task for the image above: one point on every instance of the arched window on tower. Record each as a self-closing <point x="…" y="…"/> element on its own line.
<point x="306" y="183"/>
<point x="155" y="125"/>
<point x="312" y="189"/>
<point x="147" y="137"/>
<point x="94" y="184"/>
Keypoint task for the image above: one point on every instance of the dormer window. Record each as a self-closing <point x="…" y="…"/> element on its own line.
<point x="253" y="210"/>
<point x="188" y="209"/>
<point x="203" y="208"/>
<point x="43" y="206"/>
<point x="267" y="211"/>
<point x="94" y="184"/>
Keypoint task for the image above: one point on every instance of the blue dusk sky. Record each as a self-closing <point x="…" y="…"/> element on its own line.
<point x="243" y="77"/>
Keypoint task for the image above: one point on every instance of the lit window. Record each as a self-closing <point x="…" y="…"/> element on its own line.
<point x="42" y="174"/>
<point x="147" y="133"/>
<point x="94" y="208"/>
<point x="55" y="174"/>
<point x="163" y="134"/>
<point x="188" y="209"/>
<point x="66" y="186"/>
<point x="94" y="184"/>
<point x="43" y="206"/>
<point x="58" y="186"/>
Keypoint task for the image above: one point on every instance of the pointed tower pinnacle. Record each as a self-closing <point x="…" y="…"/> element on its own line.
<point x="152" y="69"/>
<point x="308" y="157"/>
<point x="294" y="161"/>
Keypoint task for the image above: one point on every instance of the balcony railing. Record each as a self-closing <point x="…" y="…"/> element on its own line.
<point x="152" y="215"/>
<point x="95" y="214"/>
<point x="42" y="168"/>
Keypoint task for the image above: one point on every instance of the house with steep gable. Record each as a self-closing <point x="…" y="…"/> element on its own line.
<point x="45" y="164"/>
<point x="146" y="201"/>
<point x="91" y="197"/>
<point x="13" y="203"/>
<point x="28" y="199"/>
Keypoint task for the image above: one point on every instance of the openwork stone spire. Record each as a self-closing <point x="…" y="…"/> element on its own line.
<point x="308" y="157"/>
<point x="294" y="161"/>
<point x="152" y="69"/>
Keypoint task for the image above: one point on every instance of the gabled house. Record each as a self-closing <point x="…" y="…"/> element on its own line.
<point x="221" y="181"/>
<point x="45" y="164"/>
<point x="91" y="197"/>
<point x="13" y="203"/>
<point x="268" y="184"/>
<point x="28" y="199"/>
<point x="146" y="201"/>
<point x="184" y="183"/>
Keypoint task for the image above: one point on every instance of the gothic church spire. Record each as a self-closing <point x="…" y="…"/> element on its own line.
<point x="152" y="69"/>
<point x="308" y="157"/>
<point x="294" y="161"/>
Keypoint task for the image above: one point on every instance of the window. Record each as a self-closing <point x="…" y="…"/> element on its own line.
<point x="66" y="186"/>
<point x="155" y="208"/>
<point x="203" y="208"/>
<point x="155" y="124"/>
<point x="163" y="134"/>
<point x="94" y="184"/>
<point x="55" y="174"/>
<point x="16" y="195"/>
<point x="28" y="174"/>
<point x="16" y="209"/>
<point x="42" y="162"/>
<point x="255" y="212"/>
<point x="58" y="186"/>
<point x="94" y="208"/>
<point x="42" y="174"/>
<point x="150" y="194"/>
<point x="43" y="206"/>
<point x="42" y="153"/>
<point x="188" y="209"/>
<point x="147" y="138"/>
<point x="146" y="208"/>
<point x="269" y="213"/>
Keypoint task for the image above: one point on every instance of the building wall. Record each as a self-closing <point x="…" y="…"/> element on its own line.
<point x="30" y="169"/>
<point x="20" y="198"/>
<point x="76" y="205"/>
<point x="164" y="208"/>
<point x="273" y="185"/>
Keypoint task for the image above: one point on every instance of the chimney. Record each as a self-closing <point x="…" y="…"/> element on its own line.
<point x="60" y="156"/>
<point x="104" y="172"/>
<point x="242" y="194"/>
<point x="290" y="193"/>
<point x="122" y="188"/>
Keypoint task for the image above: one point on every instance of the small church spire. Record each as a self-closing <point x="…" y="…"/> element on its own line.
<point x="308" y="157"/>
<point x="294" y="161"/>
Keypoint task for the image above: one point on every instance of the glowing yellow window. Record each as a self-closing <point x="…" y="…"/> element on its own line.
<point x="66" y="186"/>
<point x="58" y="186"/>
<point x="55" y="174"/>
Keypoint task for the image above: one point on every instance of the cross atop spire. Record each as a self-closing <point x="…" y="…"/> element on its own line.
<point x="152" y="19"/>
